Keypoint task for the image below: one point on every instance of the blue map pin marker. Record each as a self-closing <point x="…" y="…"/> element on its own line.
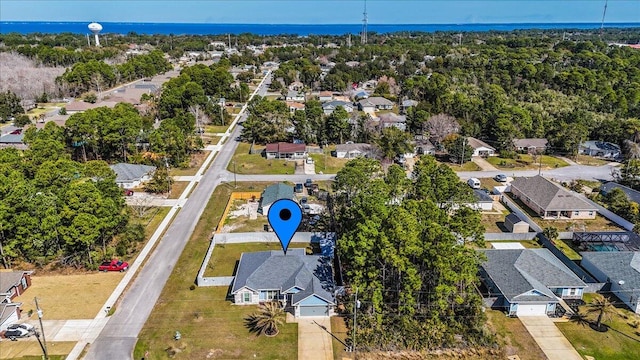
<point x="284" y="217"/>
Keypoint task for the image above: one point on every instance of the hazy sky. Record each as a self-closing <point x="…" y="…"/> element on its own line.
<point x="321" y="11"/>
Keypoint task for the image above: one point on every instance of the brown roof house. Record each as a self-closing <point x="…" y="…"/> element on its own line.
<point x="283" y="150"/>
<point x="550" y="200"/>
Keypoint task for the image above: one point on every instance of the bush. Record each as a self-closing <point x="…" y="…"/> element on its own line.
<point x="509" y="154"/>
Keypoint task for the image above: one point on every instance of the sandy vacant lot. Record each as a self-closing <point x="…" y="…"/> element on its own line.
<point x="63" y="297"/>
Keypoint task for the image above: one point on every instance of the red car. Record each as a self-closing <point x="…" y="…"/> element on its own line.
<point x="114" y="265"/>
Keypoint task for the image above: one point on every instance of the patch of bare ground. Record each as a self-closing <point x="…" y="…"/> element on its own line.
<point x="25" y="77"/>
<point x="445" y="354"/>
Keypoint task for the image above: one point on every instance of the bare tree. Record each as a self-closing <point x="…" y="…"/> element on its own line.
<point x="141" y="205"/>
<point x="441" y="125"/>
<point x="25" y="77"/>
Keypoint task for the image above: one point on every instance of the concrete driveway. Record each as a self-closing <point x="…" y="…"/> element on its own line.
<point x="549" y="338"/>
<point x="314" y="342"/>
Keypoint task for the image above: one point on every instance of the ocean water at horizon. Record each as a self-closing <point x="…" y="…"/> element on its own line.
<point x="23" y="27"/>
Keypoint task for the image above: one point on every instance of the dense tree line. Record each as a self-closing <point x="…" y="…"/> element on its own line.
<point x="402" y="247"/>
<point x="55" y="209"/>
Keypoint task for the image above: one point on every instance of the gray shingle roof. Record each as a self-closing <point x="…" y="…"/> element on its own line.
<point x="527" y="143"/>
<point x="617" y="265"/>
<point x="549" y="195"/>
<point x="517" y="272"/>
<point x="272" y="270"/>
<point x="476" y="143"/>
<point x="131" y="172"/>
<point x="513" y="218"/>
<point x="9" y="279"/>
<point x="276" y="192"/>
<point x="482" y="196"/>
<point x="632" y="195"/>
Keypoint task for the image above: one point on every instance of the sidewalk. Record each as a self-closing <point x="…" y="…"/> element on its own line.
<point x="549" y="338"/>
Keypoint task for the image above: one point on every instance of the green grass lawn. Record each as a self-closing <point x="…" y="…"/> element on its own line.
<point x="207" y="321"/>
<point x="339" y="330"/>
<point x="513" y="336"/>
<point x="468" y="166"/>
<point x="224" y="258"/>
<point x="328" y="164"/>
<point x="621" y="341"/>
<point x="493" y="223"/>
<point x="246" y="163"/>
<point x="525" y="161"/>
<point x="215" y="129"/>
<point x="589" y="160"/>
<point x="564" y="246"/>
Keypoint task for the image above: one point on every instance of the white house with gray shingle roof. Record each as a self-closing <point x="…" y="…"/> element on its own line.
<point x="303" y="283"/>
<point x="550" y="200"/>
<point x="132" y="175"/>
<point x="619" y="268"/>
<point x="528" y="282"/>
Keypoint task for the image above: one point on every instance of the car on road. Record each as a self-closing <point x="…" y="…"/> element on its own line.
<point x="500" y="178"/>
<point x="114" y="265"/>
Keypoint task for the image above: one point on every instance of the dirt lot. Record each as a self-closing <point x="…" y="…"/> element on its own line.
<point x="64" y="297"/>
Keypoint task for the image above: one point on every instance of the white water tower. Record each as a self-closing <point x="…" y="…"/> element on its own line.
<point x="95" y="28"/>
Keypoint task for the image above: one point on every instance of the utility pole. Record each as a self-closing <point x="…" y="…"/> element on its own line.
<point x="356" y="305"/>
<point x="462" y="157"/>
<point x="43" y="344"/>
<point x="603" y="14"/>
<point x="235" y="179"/>
<point x="540" y="166"/>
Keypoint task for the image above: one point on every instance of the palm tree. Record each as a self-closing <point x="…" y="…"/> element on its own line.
<point x="601" y="306"/>
<point x="580" y="318"/>
<point x="267" y="319"/>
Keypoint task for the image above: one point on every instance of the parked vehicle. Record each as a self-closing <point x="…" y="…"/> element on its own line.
<point x="308" y="183"/>
<point x="127" y="192"/>
<point x="474" y="183"/>
<point x="16" y="333"/>
<point x="303" y="200"/>
<point x="114" y="265"/>
<point x="309" y="160"/>
<point x="500" y="178"/>
<point x="24" y="326"/>
<point x="299" y="188"/>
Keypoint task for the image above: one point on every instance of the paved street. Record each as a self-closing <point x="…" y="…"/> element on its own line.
<point x="119" y="336"/>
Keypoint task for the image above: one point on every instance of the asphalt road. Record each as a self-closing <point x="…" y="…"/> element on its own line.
<point x="119" y="336"/>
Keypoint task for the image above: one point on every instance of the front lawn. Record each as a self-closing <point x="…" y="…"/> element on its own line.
<point x="468" y="166"/>
<point x="526" y="161"/>
<point x="246" y="163"/>
<point x="215" y="129"/>
<point x="513" y="336"/>
<point x="328" y="164"/>
<point x="177" y="188"/>
<point x="209" y="324"/>
<point x="196" y="161"/>
<point x="30" y="350"/>
<point x="622" y="341"/>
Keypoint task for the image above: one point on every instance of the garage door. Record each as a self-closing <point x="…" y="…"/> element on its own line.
<point x="313" y="311"/>
<point x="531" y="309"/>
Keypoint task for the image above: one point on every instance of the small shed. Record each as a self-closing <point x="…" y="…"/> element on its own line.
<point x="515" y="225"/>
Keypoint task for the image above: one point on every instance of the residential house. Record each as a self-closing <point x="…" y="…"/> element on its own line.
<point x="132" y="175"/>
<point x="375" y="103"/>
<point x="273" y="193"/>
<point x="600" y="149"/>
<point x="406" y="105"/>
<point x="13" y="284"/>
<point x="632" y="195"/>
<point x="620" y="269"/>
<point x="283" y="150"/>
<point x="480" y="148"/>
<point x="296" y="86"/>
<point x="359" y="94"/>
<point x="550" y="200"/>
<point x="325" y="96"/>
<point x="392" y="120"/>
<point x="330" y="106"/>
<point x="295" y="106"/>
<point x="424" y="147"/>
<point x="531" y="146"/>
<point x="9" y="314"/>
<point x="351" y="151"/>
<point x="293" y="95"/>
<point x="13" y="139"/>
<point x="528" y="282"/>
<point x="515" y="225"/>
<point x="483" y="201"/>
<point x="302" y="283"/>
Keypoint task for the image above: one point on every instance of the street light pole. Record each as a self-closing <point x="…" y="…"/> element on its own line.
<point x="43" y="344"/>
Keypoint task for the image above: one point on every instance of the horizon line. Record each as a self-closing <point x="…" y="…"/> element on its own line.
<point x="312" y="24"/>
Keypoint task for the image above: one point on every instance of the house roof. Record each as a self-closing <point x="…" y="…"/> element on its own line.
<point x="79" y="106"/>
<point x="527" y="143"/>
<point x="325" y="93"/>
<point x="335" y="103"/>
<point x="293" y="94"/>
<point x="375" y="101"/>
<point x="600" y="145"/>
<point x="514" y="219"/>
<point x="276" y="192"/>
<point x="392" y="118"/>
<point x="475" y="143"/>
<point x="409" y="103"/>
<point x="12" y="138"/>
<point x="632" y="195"/>
<point x="617" y="265"/>
<point x="518" y="272"/>
<point x="482" y="196"/>
<point x="6" y="310"/>
<point x="294" y="104"/>
<point x="361" y="147"/>
<point x="131" y="172"/>
<point x="272" y="270"/>
<point x="549" y="195"/>
<point x="283" y="147"/>
<point x="9" y="279"/>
